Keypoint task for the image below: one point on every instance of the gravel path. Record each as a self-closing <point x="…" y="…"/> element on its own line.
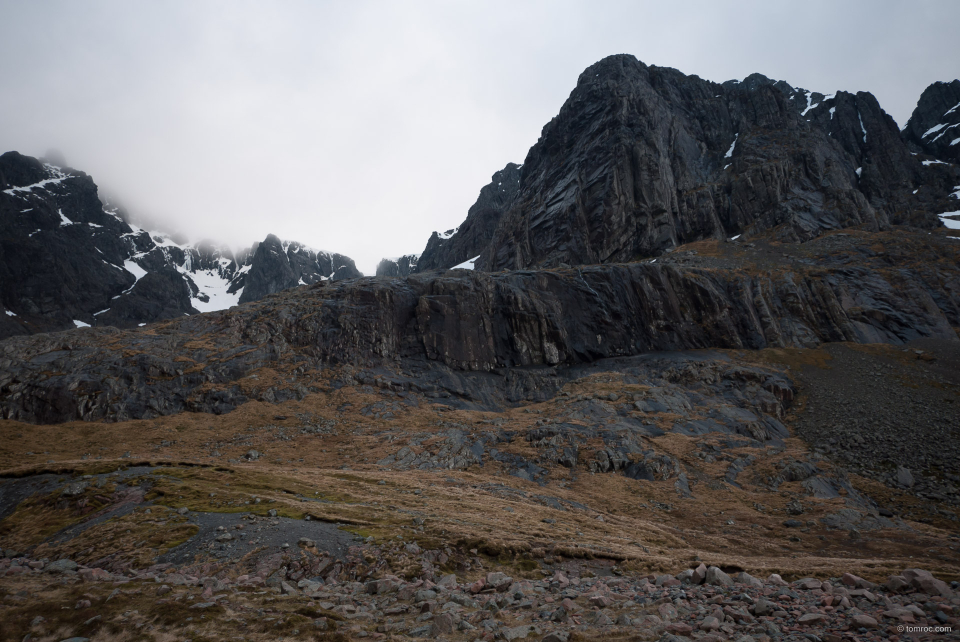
<point x="233" y="535"/>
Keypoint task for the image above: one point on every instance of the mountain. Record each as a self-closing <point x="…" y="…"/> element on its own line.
<point x="67" y="260"/>
<point x="934" y="126"/>
<point x="277" y="265"/>
<point x="400" y="266"/>
<point x="642" y="159"/>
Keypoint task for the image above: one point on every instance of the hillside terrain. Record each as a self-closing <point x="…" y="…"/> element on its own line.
<point x="691" y="372"/>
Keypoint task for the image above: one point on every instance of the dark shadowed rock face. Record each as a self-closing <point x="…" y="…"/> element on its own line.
<point x="67" y="258"/>
<point x="403" y="266"/>
<point x="447" y="250"/>
<point x="278" y="265"/>
<point x="934" y="126"/>
<point x="641" y="159"/>
<point x="473" y="330"/>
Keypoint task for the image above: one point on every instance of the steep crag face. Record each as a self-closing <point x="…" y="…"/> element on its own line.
<point x="454" y="247"/>
<point x="641" y="159"/>
<point x="278" y="265"/>
<point x="934" y="126"/>
<point x="401" y="266"/>
<point x="66" y="260"/>
<point x="473" y="326"/>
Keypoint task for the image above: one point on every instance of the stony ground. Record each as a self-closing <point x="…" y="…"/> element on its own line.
<point x="365" y="511"/>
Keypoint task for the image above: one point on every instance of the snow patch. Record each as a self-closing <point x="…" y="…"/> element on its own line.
<point x="933" y="129"/>
<point x="466" y="265"/>
<point x="134" y="269"/>
<point x="862" y="128"/>
<point x="40" y="185"/>
<point x="64" y="221"/>
<point x="101" y="312"/>
<point x="944" y="132"/>
<point x="445" y="235"/>
<point x="9" y="313"/>
<point x="859" y="171"/>
<point x="833" y="110"/>
<point x="210" y="283"/>
<point x="949" y="222"/>
<point x="80" y="324"/>
<point x="729" y="153"/>
<point x="936" y="162"/>
<point x="809" y="106"/>
<point x="734" y="238"/>
<point x="951" y="110"/>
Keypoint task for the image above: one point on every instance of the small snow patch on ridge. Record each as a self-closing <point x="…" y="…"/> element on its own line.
<point x="952" y="224"/>
<point x="466" y="265"/>
<point x="9" y="313"/>
<point x="80" y="324"/>
<point x="64" y="221"/>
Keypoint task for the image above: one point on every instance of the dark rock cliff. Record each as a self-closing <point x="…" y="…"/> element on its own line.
<point x="641" y="159"/>
<point x="278" y="265"/>
<point x="839" y="287"/>
<point x="403" y="266"/>
<point x="934" y="126"/>
<point x="474" y="234"/>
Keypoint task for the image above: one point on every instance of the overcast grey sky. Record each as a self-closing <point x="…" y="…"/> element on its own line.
<point x="360" y="127"/>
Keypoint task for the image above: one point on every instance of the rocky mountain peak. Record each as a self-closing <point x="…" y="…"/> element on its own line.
<point x="68" y="260"/>
<point x="641" y="159"/>
<point x="934" y="126"/>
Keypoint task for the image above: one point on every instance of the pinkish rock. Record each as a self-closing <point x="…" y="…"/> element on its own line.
<point x="896" y="583"/>
<point x="448" y="582"/>
<point x="864" y="621"/>
<point x="849" y="579"/>
<point x="924" y="582"/>
<point x="900" y="613"/>
<point x="699" y="574"/>
<point x="443" y="624"/>
<point x="601" y="601"/>
<point x="667" y="611"/>
<point x="680" y="628"/>
<point x="776" y="580"/>
<point x="716" y="577"/>
<point x="95" y="575"/>
<point x="476" y="587"/>
<point x="811" y="618"/>
<point x="709" y="623"/>
<point x="808" y="584"/>
<point x="499" y="581"/>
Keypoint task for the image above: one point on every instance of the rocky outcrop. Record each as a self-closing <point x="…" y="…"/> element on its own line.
<point x="457" y="246"/>
<point x="934" y="126"/>
<point x="641" y="159"/>
<point x="67" y="259"/>
<point x="277" y="265"/>
<point x="401" y="266"/>
<point x="474" y="322"/>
